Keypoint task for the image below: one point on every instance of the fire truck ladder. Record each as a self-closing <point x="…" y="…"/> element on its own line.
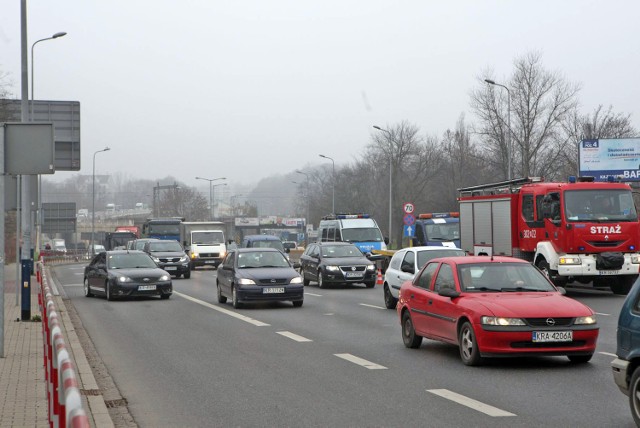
<point x="501" y="187"/>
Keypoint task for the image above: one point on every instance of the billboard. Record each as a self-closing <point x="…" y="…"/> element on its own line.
<point x="604" y="157"/>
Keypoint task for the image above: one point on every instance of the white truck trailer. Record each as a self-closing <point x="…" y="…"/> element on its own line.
<point x="204" y="242"/>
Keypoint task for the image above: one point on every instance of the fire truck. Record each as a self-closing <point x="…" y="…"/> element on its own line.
<point x="578" y="231"/>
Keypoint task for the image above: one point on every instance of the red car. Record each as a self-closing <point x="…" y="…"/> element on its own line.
<point x="494" y="307"/>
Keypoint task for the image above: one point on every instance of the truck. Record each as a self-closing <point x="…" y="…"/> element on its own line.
<point x="204" y="242"/>
<point x="162" y="228"/>
<point x="117" y="240"/>
<point x="580" y="231"/>
<point x="134" y="229"/>
<point x="437" y="229"/>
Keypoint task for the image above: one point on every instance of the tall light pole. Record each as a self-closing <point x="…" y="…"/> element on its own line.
<point x="491" y="82"/>
<point x="213" y="200"/>
<point x="93" y="198"/>
<point x="390" y="180"/>
<point x="55" y="36"/>
<point x="333" y="191"/>
<point x="308" y="197"/>
<point x="211" y="180"/>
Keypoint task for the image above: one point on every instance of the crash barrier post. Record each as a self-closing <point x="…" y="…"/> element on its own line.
<point x="63" y="391"/>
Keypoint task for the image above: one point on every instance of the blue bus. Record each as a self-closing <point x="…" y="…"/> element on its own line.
<point x="163" y="228"/>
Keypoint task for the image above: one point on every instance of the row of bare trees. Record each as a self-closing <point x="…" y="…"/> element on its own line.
<point x="546" y="126"/>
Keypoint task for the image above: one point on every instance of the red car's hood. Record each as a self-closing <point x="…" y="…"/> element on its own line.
<point x="530" y="305"/>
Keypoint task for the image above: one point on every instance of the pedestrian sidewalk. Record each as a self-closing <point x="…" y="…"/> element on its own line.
<point x="23" y="388"/>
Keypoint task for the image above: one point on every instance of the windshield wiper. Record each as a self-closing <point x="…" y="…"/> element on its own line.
<point x="521" y="289"/>
<point x="483" y="289"/>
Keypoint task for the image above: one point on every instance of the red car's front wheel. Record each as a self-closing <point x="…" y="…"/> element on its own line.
<point x="469" y="352"/>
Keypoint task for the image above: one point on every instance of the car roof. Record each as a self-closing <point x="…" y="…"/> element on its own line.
<point x="125" y="252"/>
<point x="262" y="237"/>
<point x="340" y="243"/>
<point x="430" y="248"/>
<point x="463" y="260"/>
<point x="255" y="249"/>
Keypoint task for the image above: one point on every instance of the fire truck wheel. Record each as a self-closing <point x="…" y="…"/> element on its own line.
<point x="551" y="274"/>
<point x="623" y="284"/>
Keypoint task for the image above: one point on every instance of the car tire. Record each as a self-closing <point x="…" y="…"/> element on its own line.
<point x="409" y="336"/>
<point x="107" y="289"/>
<point x="234" y="298"/>
<point x="187" y="275"/>
<point x="580" y="359"/>
<point x="321" y="283"/>
<point x="192" y="266"/>
<point x="221" y="298"/>
<point x="469" y="352"/>
<point x="305" y="281"/>
<point x="543" y="265"/>
<point x="390" y="302"/>
<point x="634" y="395"/>
<point x="87" y="290"/>
<point x="297" y="303"/>
<point x="165" y="296"/>
<point x="370" y="284"/>
<point x="622" y="285"/>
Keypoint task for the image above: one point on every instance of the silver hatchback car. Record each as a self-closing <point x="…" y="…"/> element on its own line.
<point x="405" y="263"/>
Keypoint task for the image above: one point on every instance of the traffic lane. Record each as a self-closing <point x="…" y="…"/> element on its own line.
<point x="449" y="358"/>
<point x="344" y="311"/>
<point x="218" y="373"/>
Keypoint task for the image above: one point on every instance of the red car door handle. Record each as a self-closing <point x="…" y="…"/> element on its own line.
<point x="430" y="301"/>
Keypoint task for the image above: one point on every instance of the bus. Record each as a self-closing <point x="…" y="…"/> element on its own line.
<point x="163" y="228"/>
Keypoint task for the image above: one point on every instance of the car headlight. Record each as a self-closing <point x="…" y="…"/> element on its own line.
<point x="165" y="277"/>
<point x="591" y="319"/>
<point x="332" y="268"/>
<point x="371" y="268"/>
<point x="123" y="279"/>
<point x="155" y="259"/>
<point x="296" y="280"/>
<point x="184" y="259"/>
<point x="500" y="321"/>
<point x="569" y="261"/>
<point x="222" y="254"/>
<point x="246" y="281"/>
<point x="635" y="260"/>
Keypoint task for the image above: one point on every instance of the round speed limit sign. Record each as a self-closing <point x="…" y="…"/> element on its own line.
<point x="408" y="207"/>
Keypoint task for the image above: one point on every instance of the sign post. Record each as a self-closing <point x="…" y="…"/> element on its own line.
<point x="409" y="219"/>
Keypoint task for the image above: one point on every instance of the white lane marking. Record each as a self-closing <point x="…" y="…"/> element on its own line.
<point x="78" y="273"/>
<point x="371" y="306"/>
<point x="313" y="294"/>
<point x="329" y="313"/>
<point x="608" y="354"/>
<point x="77" y="268"/>
<point x="361" y="362"/>
<point x="74" y="285"/>
<point x="223" y="310"/>
<point x="470" y="402"/>
<point x="294" y="336"/>
<point x="600" y="313"/>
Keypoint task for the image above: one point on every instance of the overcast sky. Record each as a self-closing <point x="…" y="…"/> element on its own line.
<point x="247" y="89"/>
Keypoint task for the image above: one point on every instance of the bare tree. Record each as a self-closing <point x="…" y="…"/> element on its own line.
<point x="541" y="100"/>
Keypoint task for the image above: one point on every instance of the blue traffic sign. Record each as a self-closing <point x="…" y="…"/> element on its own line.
<point x="409" y="219"/>
<point x="409" y="231"/>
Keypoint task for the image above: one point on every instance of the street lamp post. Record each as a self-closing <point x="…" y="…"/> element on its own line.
<point x="213" y="200"/>
<point x="211" y="180"/>
<point x="390" y="180"/>
<point x="491" y="82"/>
<point x="32" y="119"/>
<point x="308" y="197"/>
<point x="333" y="191"/>
<point x="93" y="198"/>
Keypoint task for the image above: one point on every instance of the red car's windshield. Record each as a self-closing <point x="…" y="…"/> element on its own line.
<point x="502" y="277"/>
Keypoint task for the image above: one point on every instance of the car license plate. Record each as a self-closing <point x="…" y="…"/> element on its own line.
<point x="273" y="290"/>
<point x="352" y="274"/>
<point x="609" y="272"/>
<point x="209" y="261"/>
<point x="552" y="336"/>
<point x="170" y="268"/>
<point x="146" y="287"/>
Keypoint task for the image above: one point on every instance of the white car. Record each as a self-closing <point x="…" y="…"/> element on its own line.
<point x="405" y="263"/>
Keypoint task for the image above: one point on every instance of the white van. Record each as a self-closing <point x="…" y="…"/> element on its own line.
<point x="359" y="229"/>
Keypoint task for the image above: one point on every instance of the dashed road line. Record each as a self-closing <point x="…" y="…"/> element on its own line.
<point x="470" y="402"/>
<point x="222" y="310"/>
<point x="361" y="362"/>
<point x="608" y="354"/>
<point x="294" y="336"/>
<point x="371" y="306"/>
<point x="74" y="285"/>
<point x="600" y="313"/>
<point x="313" y="294"/>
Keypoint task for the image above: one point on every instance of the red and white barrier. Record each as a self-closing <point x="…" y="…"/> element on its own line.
<point x="63" y="391"/>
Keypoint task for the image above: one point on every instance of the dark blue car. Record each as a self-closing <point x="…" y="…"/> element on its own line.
<point x="626" y="368"/>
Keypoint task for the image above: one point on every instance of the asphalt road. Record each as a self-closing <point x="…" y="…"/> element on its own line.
<point x="336" y="361"/>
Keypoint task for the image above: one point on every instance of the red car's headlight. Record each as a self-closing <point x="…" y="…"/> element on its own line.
<point x="591" y="319"/>
<point x="500" y="321"/>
